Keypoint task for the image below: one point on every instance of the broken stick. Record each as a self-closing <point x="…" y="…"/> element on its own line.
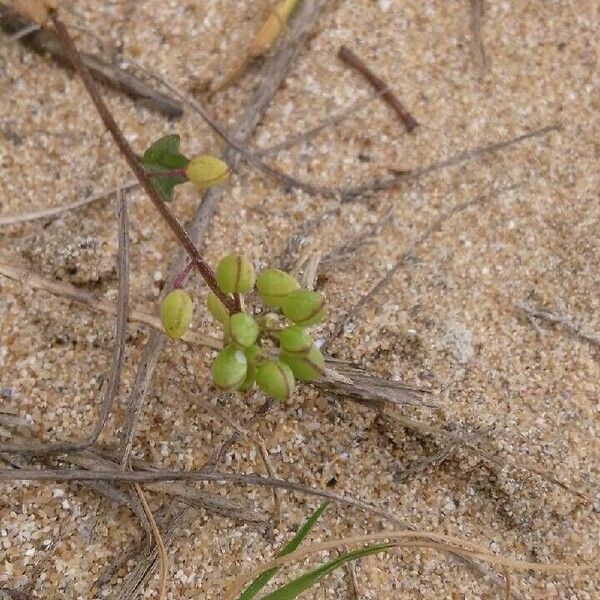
<point x="352" y="60"/>
<point x="45" y="41"/>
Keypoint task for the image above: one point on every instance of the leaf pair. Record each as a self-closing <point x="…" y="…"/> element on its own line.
<point x="294" y="588"/>
<point x="162" y="156"/>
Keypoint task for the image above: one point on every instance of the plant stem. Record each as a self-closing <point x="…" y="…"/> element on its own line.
<point x="179" y="281"/>
<point x="110" y="123"/>
<point x="170" y="173"/>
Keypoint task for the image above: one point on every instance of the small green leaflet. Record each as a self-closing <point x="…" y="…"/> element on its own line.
<point x="294" y="588"/>
<point x="164" y="155"/>
<point x="264" y="578"/>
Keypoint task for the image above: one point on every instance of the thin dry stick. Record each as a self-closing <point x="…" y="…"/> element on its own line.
<point x="212" y="503"/>
<point x="45" y="41"/>
<point x="570" y="324"/>
<point x="476" y="11"/>
<point x="170" y="521"/>
<point x="134" y="164"/>
<point x="435" y="226"/>
<point x="207" y="475"/>
<point x="353" y="194"/>
<point x="51" y="213"/>
<point x="109" y="491"/>
<point x="353" y="588"/>
<point x="98" y="458"/>
<point x="64" y="290"/>
<point x="139" y="392"/>
<point x="118" y="352"/>
<point x="376" y="185"/>
<point x="347" y="194"/>
<point x="331" y="121"/>
<point x="162" y="551"/>
<point x="347" y="56"/>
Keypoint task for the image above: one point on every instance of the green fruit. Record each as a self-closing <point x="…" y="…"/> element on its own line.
<point x="230" y="368"/>
<point x="243" y="330"/>
<point x="304" y="307"/>
<point x="275" y="379"/>
<point x="216" y="308"/>
<point x="176" y="313"/>
<point x="207" y="171"/>
<point x="235" y="274"/>
<point x="305" y="367"/>
<point x="294" y="340"/>
<point x="252" y="355"/>
<point x="274" y="285"/>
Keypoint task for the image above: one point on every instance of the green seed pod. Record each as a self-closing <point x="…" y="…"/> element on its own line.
<point x="294" y="340"/>
<point x="176" y="313"/>
<point x="275" y="379"/>
<point x="207" y="171"/>
<point x="230" y="368"/>
<point x="217" y="309"/>
<point x="304" y="307"/>
<point x="243" y="330"/>
<point x="305" y="367"/>
<point x="252" y="355"/>
<point x="274" y="285"/>
<point x="235" y="274"/>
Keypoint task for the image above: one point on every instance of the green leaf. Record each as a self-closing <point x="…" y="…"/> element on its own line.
<point x="294" y="588"/>
<point x="264" y="578"/>
<point x="164" y="155"/>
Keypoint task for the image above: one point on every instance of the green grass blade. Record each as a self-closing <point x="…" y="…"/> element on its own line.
<point x="294" y="588"/>
<point x="264" y="578"/>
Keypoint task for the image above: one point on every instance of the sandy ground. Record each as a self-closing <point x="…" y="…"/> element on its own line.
<point x="446" y="321"/>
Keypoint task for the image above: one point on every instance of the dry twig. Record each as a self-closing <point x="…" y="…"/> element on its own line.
<point x="45" y="41"/>
<point x="477" y="9"/>
<point x="162" y="551"/>
<point x="376" y="185"/>
<point x="569" y="323"/>
<point x="51" y="213"/>
<point x="330" y="121"/>
<point x="349" y="57"/>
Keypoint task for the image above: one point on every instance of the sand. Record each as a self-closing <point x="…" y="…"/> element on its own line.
<point x="447" y="320"/>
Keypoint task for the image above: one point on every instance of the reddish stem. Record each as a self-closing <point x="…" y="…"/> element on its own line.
<point x="134" y="164"/>
<point x="179" y="280"/>
<point x="170" y="173"/>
